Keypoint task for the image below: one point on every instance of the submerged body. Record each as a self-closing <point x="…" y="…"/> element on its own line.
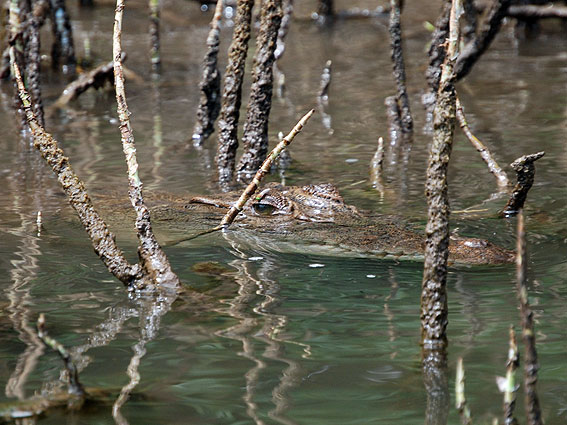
<point x="315" y="218"/>
<point x="317" y="214"/>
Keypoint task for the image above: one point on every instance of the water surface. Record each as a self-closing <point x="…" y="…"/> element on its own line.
<point x="294" y="338"/>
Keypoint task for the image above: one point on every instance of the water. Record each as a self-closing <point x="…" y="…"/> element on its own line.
<point x="285" y="342"/>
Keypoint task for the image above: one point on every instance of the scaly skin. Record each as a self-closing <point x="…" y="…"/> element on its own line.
<point x="317" y="214"/>
<point x="313" y="218"/>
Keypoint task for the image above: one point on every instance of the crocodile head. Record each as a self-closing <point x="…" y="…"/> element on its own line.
<point x="315" y="203"/>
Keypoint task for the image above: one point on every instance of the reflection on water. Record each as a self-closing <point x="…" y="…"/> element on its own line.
<point x="24" y="268"/>
<point x="436" y="380"/>
<point x="270" y="326"/>
<point x="273" y="339"/>
<point x="150" y="311"/>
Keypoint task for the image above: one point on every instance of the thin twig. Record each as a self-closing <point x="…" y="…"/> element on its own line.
<point x="279" y="76"/>
<point x="264" y="169"/>
<point x="325" y="83"/>
<point x="284" y="160"/>
<point x="460" y="398"/>
<point x="323" y="98"/>
<point x="376" y="167"/>
<point x="485" y="154"/>
<point x="153" y="259"/>
<point x="155" y="56"/>
<point x="508" y="384"/>
<point x="531" y="367"/>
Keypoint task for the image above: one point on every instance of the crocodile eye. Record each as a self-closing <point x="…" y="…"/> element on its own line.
<point x="264" y="209"/>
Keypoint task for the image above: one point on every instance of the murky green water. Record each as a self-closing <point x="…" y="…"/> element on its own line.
<point x="293" y="338"/>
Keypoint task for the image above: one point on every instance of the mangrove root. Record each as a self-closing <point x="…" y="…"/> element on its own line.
<point x="255" y="139"/>
<point x="209" y="103"/>
<point x="102" y="239"/>
<point x="525" y="173"/>
<point x="531" y="366"/>
<point x="227" y="143"/>
<point x="96" y="78"/>
<point x="434" y="309"/>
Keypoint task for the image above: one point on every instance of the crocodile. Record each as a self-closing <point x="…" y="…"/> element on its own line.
<point x="316" y="219"/>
